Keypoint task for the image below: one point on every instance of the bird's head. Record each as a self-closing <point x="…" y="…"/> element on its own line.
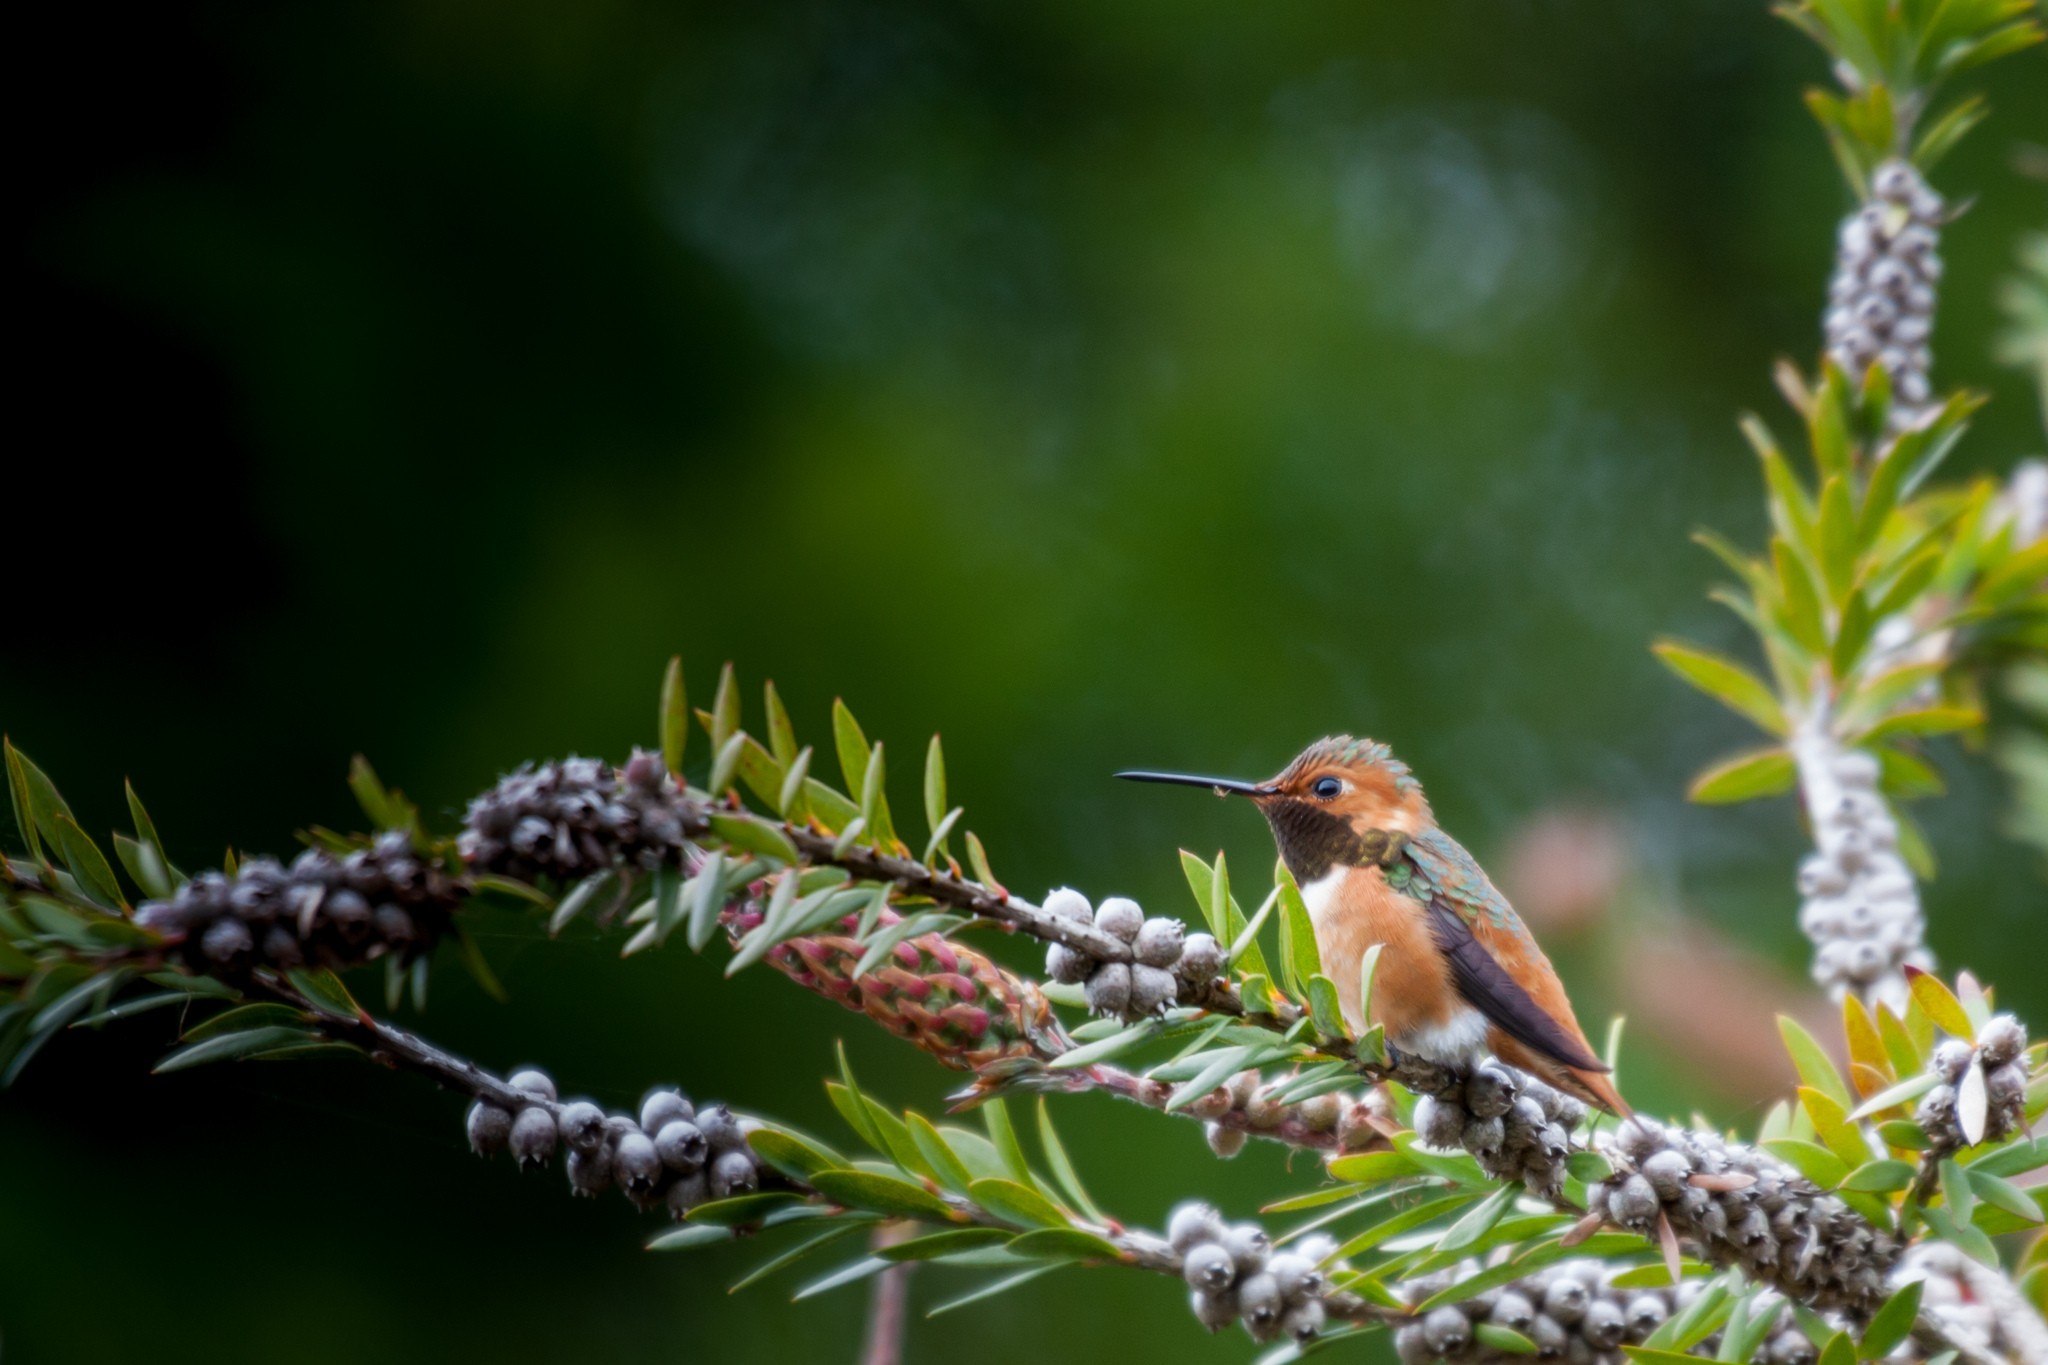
<point x="1336" y="803"/>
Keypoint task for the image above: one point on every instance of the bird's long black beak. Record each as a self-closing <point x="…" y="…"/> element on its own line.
<point x="1222" y="786"/>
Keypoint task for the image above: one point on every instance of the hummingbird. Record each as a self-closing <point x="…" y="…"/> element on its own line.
<point x="1459" y="974"/>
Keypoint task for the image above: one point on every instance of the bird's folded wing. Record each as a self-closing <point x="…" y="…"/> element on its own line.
<point x="1488" y="988"/>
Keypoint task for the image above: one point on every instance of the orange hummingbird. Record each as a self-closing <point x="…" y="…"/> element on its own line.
<point x="1459" y="974"/>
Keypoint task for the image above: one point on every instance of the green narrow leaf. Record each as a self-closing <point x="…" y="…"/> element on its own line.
<point x="989" y="1291"/>
<point x="881" y="1194"/>
<point x="37" y="795"/>
<point x="1504" y="1339"/>
<point x="1812" y="1062"/>
<point x="2002" y="1194"/>
<point x="1941" y="1005"/>
<point x="1368" y="968"/>
<point x="1016" y="1203"/>
<point x="794" y="1156"/>
<point x="1323" y="1007"/>
<point x="85" y="861"/>
<point x="674" y="717"/>
<point x="781" y="734"/>
<point x="324" y="990"/>
<point x="226" y="1046"/>
<point x="145" y="868"/>
<point x="1065" y="1244"/>
<point x="995" y="1115"/>
<point x="1837" y="536"/>
<point x="1478" y="1221"/>
<point x="1300" y="961"/>
<point x="934" y="785"/>
<point x="472" y="956"/>
<point x="1062" y="1168"/>
<point x="145" y="830"/>
<point x="852" y="745"/>
<point x="1726" y="681"/>
<point x="1745" y="777"/>
<point x="1799" y="603"/>
<point x="945" y="1163"/>
<point x="725" y="709"/>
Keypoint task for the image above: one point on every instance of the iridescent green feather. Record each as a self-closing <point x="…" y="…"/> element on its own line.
<point x="1440" y="866"/>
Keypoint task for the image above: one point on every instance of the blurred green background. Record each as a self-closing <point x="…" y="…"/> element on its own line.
<point x="1100" y="384"/>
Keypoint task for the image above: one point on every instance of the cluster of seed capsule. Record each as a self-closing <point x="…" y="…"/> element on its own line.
<point x="1571" y="1311"/>
<point x="1997" y="1052"/>
<point x="1165" y="959"/>
<point x="1235" y="1275"/>
<point x="1517" y="1127"/>
<point x="569" y="819"/>
<point x="1860" y="906"/>
<point x="1248" y="1105"/>
<point x="1881" y="299"/>
<point x="673" y="1153"/>
<point x="323" y="909"/>
<point x="1744" y="1207"/>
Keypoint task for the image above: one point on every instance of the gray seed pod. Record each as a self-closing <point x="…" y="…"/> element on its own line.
<point x="1952" y="1059"/>
<point x="1109" y="989"/>
<point x="721" y="1130"/>
<point x="686" y="1192"/>
<point x="2002" y="1039"/>
<point x="590" y="1172"/>
<point x="1304" y="1321"/>
<point x="533" y="1081"/>
<point x="1666" y="1171"/>
<point x="1152" y="990"/>
<point x="1565" y="1300"/>
<point x="1260" y="1305"/>
<point x="1207" y="1266"/>
<point x="1513" y="1309"/>
<point x="1120" y="917"/>
<point x="1214" y="1311"/>
<point x="733" y="1173"/>
<point x="225" y="940"/>
<point x="1489" y="1091"/>
<point x="1067" y="965"/>
<point x="1248" y="1246"/>
<point x="1483" y="1137"/>
<point x="1634" y="1204"/>
<point x="1296" y="1275"/>
<point x="1549" y="1335"/>
<point x="1446" y="1331"/>
<point x="489" y="1127"/>
<point x="1224" y="1142"/>
<point x="681" y="1145"/>
<point x="2006" y="1087"/>
<point x="1439" y="1122"/>
<point x="663" y="1107"/>
<point x="532" y="1139"/>
<point x="1319" y="1113"/>
<point x="1318" y="1247"/>
<point x="1603" y="1326"/>
<point x="1191" y="1224"/>
<point x="1158" y="943"/>
<point x="1411" y="1347"/>
<point x="1201" y="958"/>
<point x="1790" y="1347"/>
<point x="582" y="1125"/>
<point x="636" y="1164"/>
<point x="1646" y="1313"/>
<point x="1067" y="903"/>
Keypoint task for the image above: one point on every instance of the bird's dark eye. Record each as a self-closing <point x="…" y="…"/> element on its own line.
<point x="1326" y="788"/>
